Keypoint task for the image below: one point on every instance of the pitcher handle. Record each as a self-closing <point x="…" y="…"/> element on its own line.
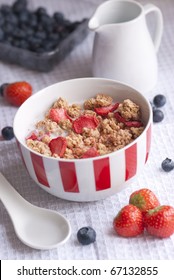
<point x="159" y="23"/>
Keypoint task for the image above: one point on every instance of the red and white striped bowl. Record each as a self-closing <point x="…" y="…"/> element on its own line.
<point x="83" y="179"/>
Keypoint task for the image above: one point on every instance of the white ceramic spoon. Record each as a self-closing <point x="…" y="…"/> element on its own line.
<point x="36" y="227"/>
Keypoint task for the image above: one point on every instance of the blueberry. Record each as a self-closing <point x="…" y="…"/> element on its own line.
<point x="7" y="133"/>
<point x="59" y="17"/>
<point x="2" y="20"/>
<point x="40" y="27"/>
<point x="33" y="22"/>
<point x="41" y="35"/>
<point x="11" y="18"/>
<point x="159" y="100"/>
<point x="34" y="43"/>
<point x="48" y="28"/>
<point x="158" y="115"/>
<point x="167" y="165"/>
<point x="2" y="87"/>
<point x="5" y="9"/>
<point x="19" y="33"/>
<point x="1" y="35"/>
<point x="45" y="19"/>
<point x="29" y="31"/>
<point x="86" y="235"/>
<point x="8" y="28"/>
<point x="40" y="11"/>
<point x="19" y="6"/>
<point x="24" y="17"/>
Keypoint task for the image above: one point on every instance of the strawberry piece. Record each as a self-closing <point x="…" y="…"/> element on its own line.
<point x="160" y="221"/>
<point x="58" y="146"/>
<point x="32" y="136"/>
<point x="144" y="199"/>
<point x="85" y="121"/>
<point x="119" y="118"/>
<point x="129" y="221"/>
<point x="133" y="123"/>
<point x="91" y="152"/>
<point x="127" y="123"/>
<point x="58" y="114"/>
<point x="103" y="111"/>
<point x="16" y="93"/>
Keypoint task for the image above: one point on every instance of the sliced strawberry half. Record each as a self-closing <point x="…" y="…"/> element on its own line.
<point x="133" y="123"/>
<point x="85" y="121"/>
<point x="58" y="114"/>
<point x="58" y="146"/>
<point x="91" y="152"/>
<point x="103" y="111"/>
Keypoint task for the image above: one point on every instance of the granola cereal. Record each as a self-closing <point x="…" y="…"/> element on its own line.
<point x="97" y="127"/>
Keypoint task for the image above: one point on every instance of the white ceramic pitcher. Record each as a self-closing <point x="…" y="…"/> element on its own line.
<point x="123" y="48"/>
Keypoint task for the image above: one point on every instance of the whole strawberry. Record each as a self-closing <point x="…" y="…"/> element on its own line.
<point x="144" y="199"/>
<point x="160" y="221"/>
<point x="129" y="221"/>
<point x="16" y="93"/>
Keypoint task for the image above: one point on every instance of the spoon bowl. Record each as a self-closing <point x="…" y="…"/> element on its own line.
<point x="43" y="229"/>
<point x="38" y="228"/>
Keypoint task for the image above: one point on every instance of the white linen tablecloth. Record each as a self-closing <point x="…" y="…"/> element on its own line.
<point x="100" y="214"/>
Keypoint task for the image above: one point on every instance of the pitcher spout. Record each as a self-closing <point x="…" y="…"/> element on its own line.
<point x="93" y="23"/>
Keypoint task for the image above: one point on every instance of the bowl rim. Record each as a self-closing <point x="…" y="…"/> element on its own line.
<point x="91" y="158"/>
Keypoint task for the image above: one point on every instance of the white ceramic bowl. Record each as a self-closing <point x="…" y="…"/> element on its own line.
<point x="83" y="179"/>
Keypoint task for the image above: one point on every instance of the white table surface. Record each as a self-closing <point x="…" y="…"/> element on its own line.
<point x="98" y="215"/>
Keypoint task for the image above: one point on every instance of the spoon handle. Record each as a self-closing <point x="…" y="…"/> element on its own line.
<point x="11" y="199"/>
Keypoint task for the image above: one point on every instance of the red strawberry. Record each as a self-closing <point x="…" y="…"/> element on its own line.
<point x="16" y="93"/>
<point x="58" y="114"/>
<point x="85" y="121"/>
<point x="119" y="118"/>
<point x="91" y="152"/>
<point x="129" y="221"/>
<point x="103" y="111"/>
<point x="160" y="221"/>
<point x="144" y="199"/>
<point x="58" y="146"/>
<point x="133" y="123"/>
<point x="32" y="136"/>
<point x="127" y="123"/>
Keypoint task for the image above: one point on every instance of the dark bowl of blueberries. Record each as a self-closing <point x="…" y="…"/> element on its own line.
<point x="34" y="37"/>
